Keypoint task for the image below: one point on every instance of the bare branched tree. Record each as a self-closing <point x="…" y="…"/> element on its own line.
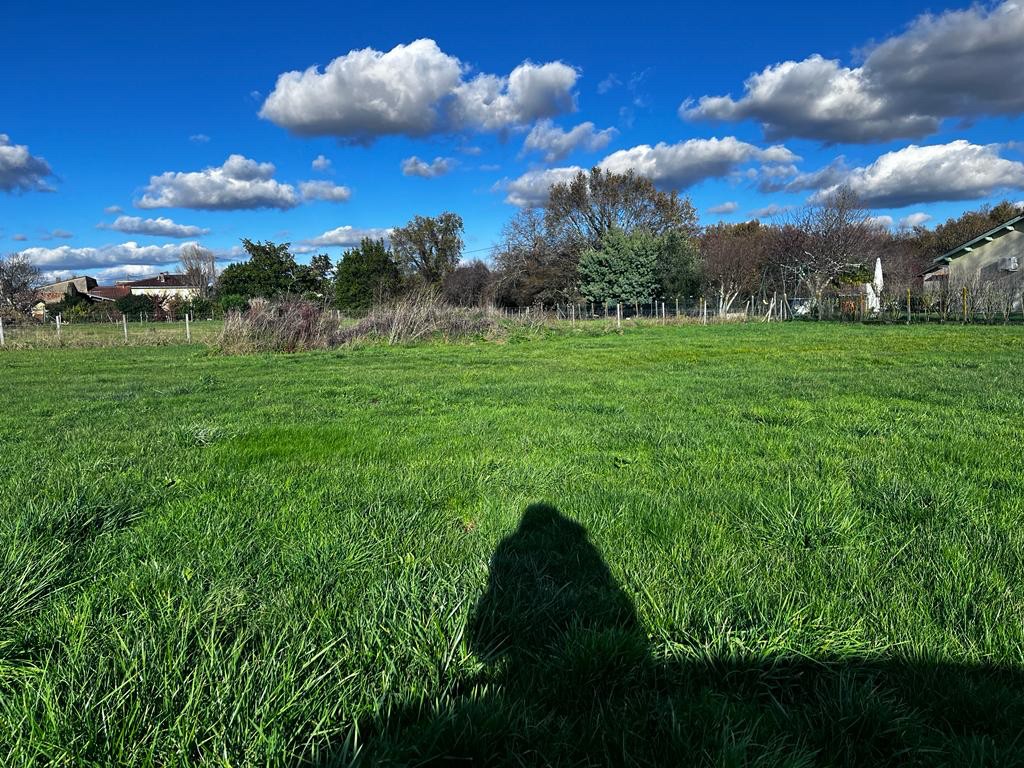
<point x="199" y="266"/>
<point x="19" y="279"/>
<point x="734" y="257"/>
<point x="588" y="206"/>
<point x="840" y="237"/>
<point x="530" y="264"/>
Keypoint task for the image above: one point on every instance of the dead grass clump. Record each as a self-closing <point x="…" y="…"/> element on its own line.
<point x="423" y="315"/>
<point x="286" y="326"/>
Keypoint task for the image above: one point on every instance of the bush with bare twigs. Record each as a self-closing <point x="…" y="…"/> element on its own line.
<point x="423" y="315"/>
<point x="286" y="326"/>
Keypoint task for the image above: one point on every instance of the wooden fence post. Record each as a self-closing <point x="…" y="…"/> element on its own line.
<point x="124" y="325"/>
<point x="908" y="306"/>
<point x="188" y="330"/>
<point x="965" y="303"/>
<point x="3" y="341"/>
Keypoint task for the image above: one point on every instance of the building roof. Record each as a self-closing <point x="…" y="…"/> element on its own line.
<point x="163" y="280"/>
<point x="109" y="292"/>
<point x="1017" y="222"/>
<point x="81" y="282"/>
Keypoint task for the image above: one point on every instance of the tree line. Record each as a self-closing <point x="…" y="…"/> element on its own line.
<point x="605" y="238"/>
<point x="602" y="238"/>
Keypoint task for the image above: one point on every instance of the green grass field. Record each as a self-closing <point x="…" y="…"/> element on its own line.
<point x="741" y="545"/>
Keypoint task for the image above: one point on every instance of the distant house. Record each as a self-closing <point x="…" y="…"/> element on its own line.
<point x="165" y="285"/>
<point x="51" y="293"/>
<point x="995" y="258"/>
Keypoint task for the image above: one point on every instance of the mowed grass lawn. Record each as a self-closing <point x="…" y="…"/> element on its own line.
<point x="772" y="545"/>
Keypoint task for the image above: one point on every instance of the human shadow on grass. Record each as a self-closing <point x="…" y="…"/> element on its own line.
<point x="571" y="680"/>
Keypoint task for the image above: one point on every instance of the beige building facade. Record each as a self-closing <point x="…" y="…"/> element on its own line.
<point x="991" y="261"/>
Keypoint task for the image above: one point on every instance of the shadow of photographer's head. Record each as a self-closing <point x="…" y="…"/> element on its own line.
<point x="550" y="594"/>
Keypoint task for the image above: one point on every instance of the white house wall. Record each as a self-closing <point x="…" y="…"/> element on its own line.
<point x="165" y="292"/>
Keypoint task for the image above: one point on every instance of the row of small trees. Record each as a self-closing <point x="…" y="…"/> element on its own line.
<point x="425" y="252"/>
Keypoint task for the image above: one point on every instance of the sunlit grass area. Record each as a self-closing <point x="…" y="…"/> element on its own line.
<point x="782" y="545"/>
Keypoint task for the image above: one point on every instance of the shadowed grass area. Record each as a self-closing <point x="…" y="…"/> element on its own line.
<point x="572" y="678"/>
<point x="773" y="545"/>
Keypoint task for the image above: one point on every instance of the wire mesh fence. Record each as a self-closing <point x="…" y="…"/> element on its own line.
<point x="955" y="305"/>
<point x="55" y="332"/>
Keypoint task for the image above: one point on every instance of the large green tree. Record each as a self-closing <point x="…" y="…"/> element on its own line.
<point x="314" y="279"/>
<point x="365" y="275"/>
<point x="269" y="272"/>
<point x="622" y="268"/>
<point x="538" y="258"/>
<point x="678" y="265"/>
<point x="429" y="247"/>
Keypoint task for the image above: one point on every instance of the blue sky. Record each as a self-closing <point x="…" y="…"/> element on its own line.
<point x="140" y="107"/>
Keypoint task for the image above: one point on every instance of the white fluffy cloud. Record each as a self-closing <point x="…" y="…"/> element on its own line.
<point x="413" y="166"/>
<point x="531" y="189"/>
<point x="967" y="63"/>
<point x="66" y="257"/>
<point x="321" y="163"/>
<point x="912" y="220"/>
<point x="345" y="237"/>
<point x="159" y="227"/>
<point x="730" y="206"/>
<point x="20" y="170"/>
<point x="414" y="90"/>
<point x="240" y="183"/>
<point x="555" y="143"/>
<point x="769" y="211"/>
<point x="924" y="174"/>
<point x="324" y="190"/>
<point x="681" y="165"/>
<point x="881" y="221"/>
